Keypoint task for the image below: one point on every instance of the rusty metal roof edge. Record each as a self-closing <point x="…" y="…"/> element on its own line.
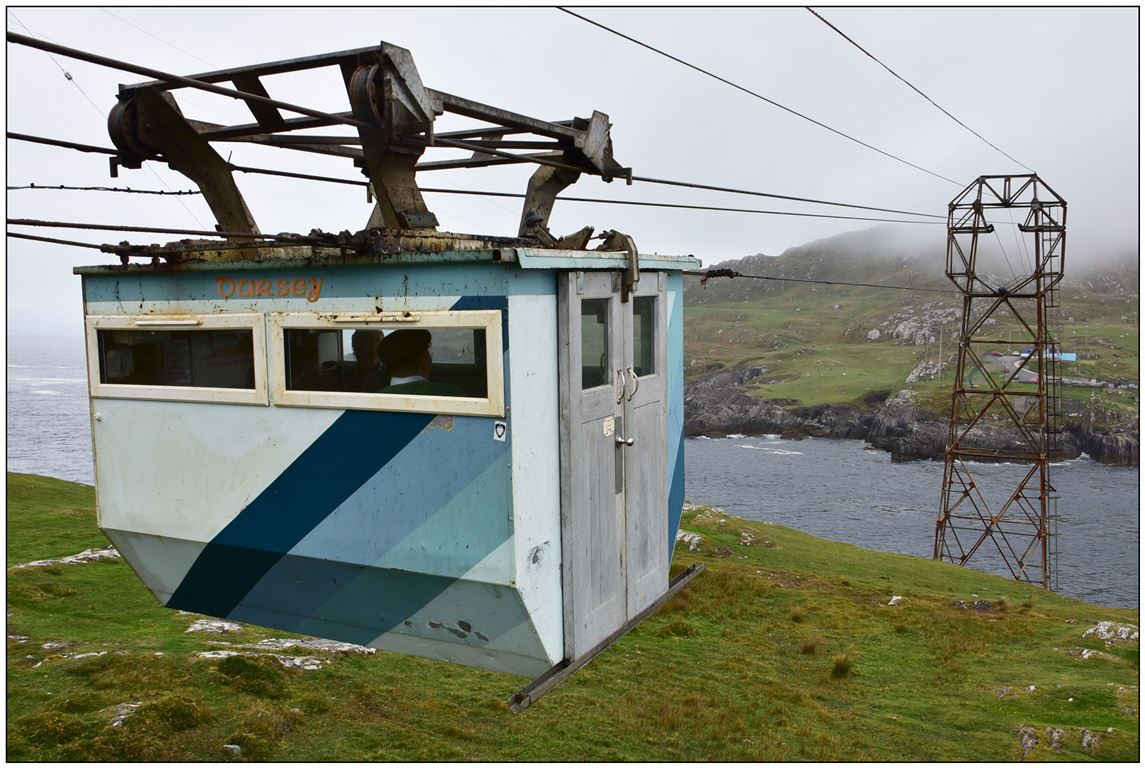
<point x="381" y="249"/>
<point x="313" y="258"/>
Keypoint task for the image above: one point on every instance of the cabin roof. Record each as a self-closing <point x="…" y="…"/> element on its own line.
<point x="379" y="247"/>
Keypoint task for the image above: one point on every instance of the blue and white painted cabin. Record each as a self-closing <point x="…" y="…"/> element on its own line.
<point x="508" y="528"/>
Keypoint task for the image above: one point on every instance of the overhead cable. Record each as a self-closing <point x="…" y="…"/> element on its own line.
<point x="67" y="75"/>
<point x="61" y="143"/>
<point x="128" y="228"/>
<point x="708" y="274"/>
<point x="152" y="34"/>
<point x="732" y="190"/>
<point x="189" y="82"/>
<point x="57" y="241"/>
<point x="758" y="96"/>
<point x="687" y="184"/>
<point x="916" y="90"/>
<point x="140" y="251"/>
<point x="682" y="206"/>
<point x="464" y="145"/>
<point x="108" y="189"/>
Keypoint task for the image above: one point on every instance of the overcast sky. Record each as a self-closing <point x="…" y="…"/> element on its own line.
<point x="1056" y="88"/>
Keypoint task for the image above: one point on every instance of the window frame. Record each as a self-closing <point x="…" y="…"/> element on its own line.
<point x="253" y="322"/>
<point x="487" y="320"/>
<point x="654" y="336"/>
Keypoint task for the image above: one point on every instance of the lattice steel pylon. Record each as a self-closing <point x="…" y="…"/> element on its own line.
<point x="1010" y="508"/>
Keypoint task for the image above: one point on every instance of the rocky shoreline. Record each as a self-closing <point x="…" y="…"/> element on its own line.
<point x="718" y="405"/>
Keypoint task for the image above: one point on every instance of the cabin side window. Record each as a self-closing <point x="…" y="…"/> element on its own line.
<point x="207" y="358"/>
<point x="448" y="361"/>
<point x="438" y="362"/>
<point x="192" y="358"/>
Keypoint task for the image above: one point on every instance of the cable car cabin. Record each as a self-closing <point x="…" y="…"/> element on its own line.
<point x="502" y="491"/>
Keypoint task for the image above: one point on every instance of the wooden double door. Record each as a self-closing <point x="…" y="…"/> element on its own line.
<point x="614" y="484"/>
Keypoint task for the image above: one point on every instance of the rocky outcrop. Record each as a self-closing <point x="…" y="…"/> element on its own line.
<point x="717" y="405"/>
<point x="845" y="420"/>
<point x="921" y="325"/>
<point x="1107" y="445"/>
<point x="906" y="430"/>
<point x="720" y="405"/>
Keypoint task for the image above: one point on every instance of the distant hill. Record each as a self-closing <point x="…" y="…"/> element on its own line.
<point x="894" y="256"/>
<point x="771" y="354"/>
<point x="877" y="255"/>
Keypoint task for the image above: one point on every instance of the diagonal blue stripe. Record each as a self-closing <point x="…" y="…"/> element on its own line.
<point x="468" y="497"/>
<point x="351" y="451"/>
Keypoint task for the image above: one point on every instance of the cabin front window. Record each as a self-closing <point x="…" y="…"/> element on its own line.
<point x="208" y="358"/>
<point x="197" y="358"/>
<point x="359" y="360"/>
<point x="438" y="362"/>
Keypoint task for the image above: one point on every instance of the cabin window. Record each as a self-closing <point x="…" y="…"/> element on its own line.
<point x="644" y="335"/>
<point x="439" y="362"/>
<point x="209" y="358"/>
<point x="594" y="343"/>
<point x="194" y="358"/>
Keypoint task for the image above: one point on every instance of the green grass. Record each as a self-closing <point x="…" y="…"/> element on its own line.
<point x="813" y="344"/>
<point x="725" y="671"/>
<point x="813" y="352"/>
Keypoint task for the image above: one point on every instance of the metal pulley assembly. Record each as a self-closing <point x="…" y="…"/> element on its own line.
<point x="392" y="114"/>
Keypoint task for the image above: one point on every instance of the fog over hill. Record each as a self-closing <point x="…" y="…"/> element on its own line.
<point x="900" y="256"/>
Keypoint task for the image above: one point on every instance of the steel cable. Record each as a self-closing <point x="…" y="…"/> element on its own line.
<point x="750" y="92"/>
<point x="708" y="274"/>
<point x="916" y="90"/>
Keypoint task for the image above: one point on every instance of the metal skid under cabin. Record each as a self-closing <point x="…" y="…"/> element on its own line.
<point x="453" y="446"/>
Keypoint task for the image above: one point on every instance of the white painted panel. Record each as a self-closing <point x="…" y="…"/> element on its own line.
<point x="484" y="608"/>
<point x="534" y="426"/>
<point x="160" y="561"/>
<point x="485" y="658"/>
<point x="184" y="470"/>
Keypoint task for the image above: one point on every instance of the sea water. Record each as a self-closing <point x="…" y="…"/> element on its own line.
<point x="845" y="491"/>
<point x="837" y="489"/>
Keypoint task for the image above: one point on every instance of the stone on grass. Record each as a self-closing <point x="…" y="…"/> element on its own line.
<point x="120" y="712"/>
<point x="315" y="644"/>
<point x="87" y="556"/>
<point x="691" y="539"/>
<point x="1112" y="632"/>
<point x="215" y="626"/>
<point x="1028" y="738"/>
<point x="1089" y="740"/>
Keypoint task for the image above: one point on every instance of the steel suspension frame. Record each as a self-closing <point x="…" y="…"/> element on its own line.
<point x="1019" y="524"/>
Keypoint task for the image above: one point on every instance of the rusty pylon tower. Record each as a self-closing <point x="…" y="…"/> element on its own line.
<point x="1009" y="510"/>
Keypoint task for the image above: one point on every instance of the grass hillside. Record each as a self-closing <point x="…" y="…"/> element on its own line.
<point x="813" y="339"/>
<point x="786" y="648"/>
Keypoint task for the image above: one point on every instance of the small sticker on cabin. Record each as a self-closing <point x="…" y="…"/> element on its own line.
<point x="610" y="426"/>
<point x="499" y="430"/>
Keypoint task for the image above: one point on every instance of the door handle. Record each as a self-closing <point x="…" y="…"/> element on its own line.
<point x="623" y="385"/>
<point x="635" y="384"/>
<point x="622" y="441"/>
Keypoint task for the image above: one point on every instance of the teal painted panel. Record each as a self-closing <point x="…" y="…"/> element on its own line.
<point x="454" y="466"/>
<point x="429" y="614"/>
